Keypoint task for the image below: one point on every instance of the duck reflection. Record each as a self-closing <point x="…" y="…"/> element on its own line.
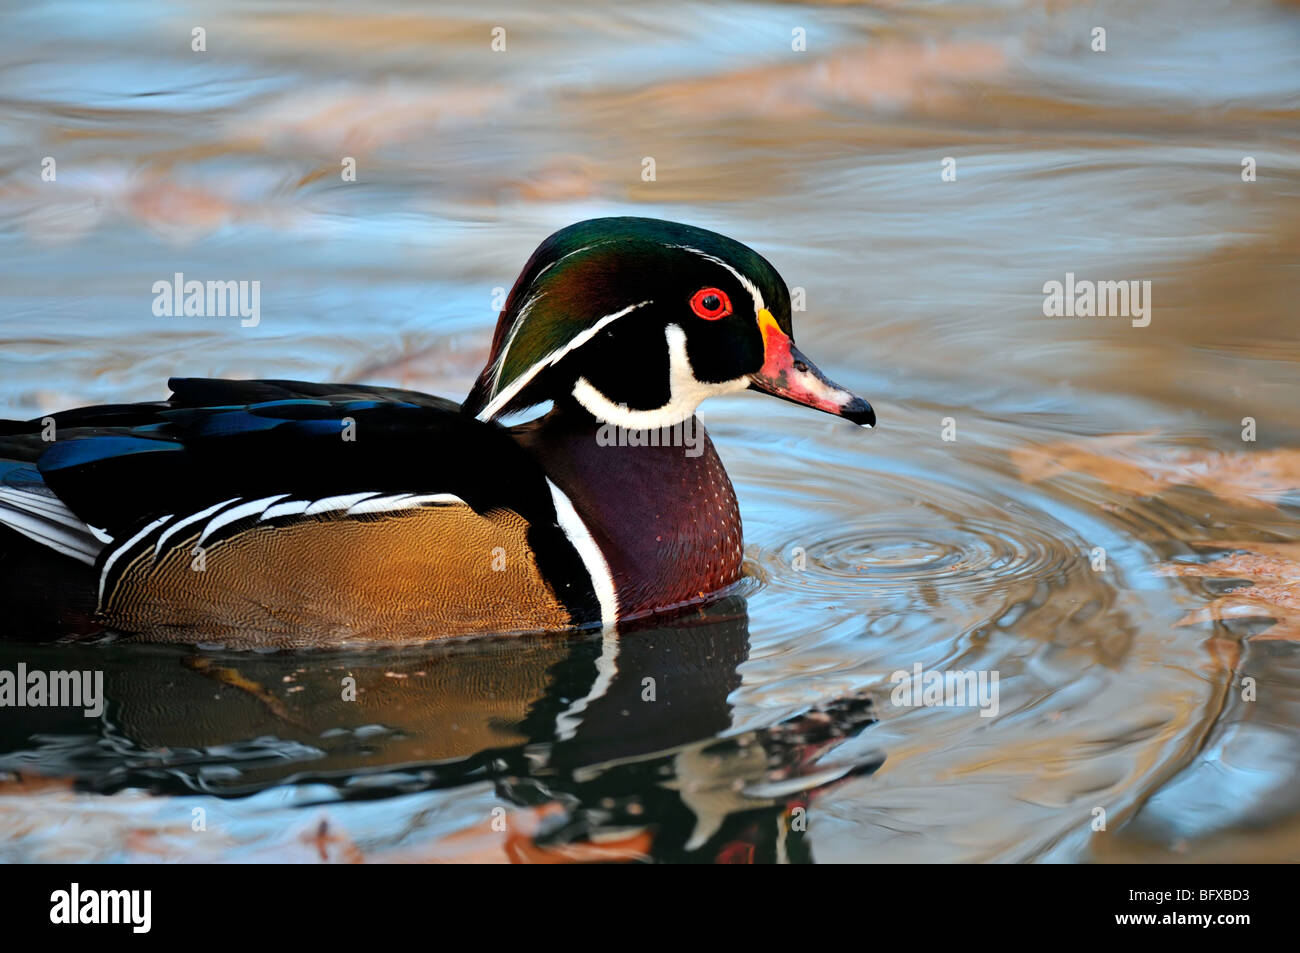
<point x="613" y="738"/>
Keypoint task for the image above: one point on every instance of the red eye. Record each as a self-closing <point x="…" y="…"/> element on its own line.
<point x="711" y="303"/>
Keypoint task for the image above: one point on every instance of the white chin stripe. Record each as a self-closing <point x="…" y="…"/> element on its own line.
<point x="685" y="392"/>
<point x="602" y="580"/>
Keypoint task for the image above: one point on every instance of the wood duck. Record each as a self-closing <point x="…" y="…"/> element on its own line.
<point x="274" y="513"/>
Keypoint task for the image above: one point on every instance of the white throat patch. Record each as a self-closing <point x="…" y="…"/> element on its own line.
<point x="684" y="389"/>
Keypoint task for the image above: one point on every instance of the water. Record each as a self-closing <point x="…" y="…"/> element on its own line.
<point x="774" y="733"/>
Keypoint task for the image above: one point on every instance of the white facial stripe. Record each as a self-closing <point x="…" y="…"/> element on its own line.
<point x="745" y="282"/>
<point x="602" y="580"/>
<point x="507" y="395"/>
<point x="510" y="340"/>
<point x="528" y="306"/>
<point x="578" y="251"/>
<point x="685" y="392"/>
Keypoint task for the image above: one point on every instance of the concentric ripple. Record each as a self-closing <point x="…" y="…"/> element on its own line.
<point x="892" y="555"/>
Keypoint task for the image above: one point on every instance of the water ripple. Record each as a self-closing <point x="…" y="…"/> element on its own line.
<point x="895" y="555"/>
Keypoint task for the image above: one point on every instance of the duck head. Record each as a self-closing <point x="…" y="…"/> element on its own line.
<point x="638" y="320"/>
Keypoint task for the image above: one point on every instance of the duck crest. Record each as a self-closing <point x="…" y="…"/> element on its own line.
<point x="664" y="515"/>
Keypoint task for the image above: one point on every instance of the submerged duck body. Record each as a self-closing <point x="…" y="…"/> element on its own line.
<point x="285" y="513"/>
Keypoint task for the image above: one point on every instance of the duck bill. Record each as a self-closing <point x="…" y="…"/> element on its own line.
<point x="787" y="374"/>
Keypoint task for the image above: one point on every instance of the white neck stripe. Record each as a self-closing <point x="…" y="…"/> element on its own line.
<point x="602" y="580"/>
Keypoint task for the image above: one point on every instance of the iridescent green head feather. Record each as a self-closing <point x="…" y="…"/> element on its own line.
<point x="635" y="319"/>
